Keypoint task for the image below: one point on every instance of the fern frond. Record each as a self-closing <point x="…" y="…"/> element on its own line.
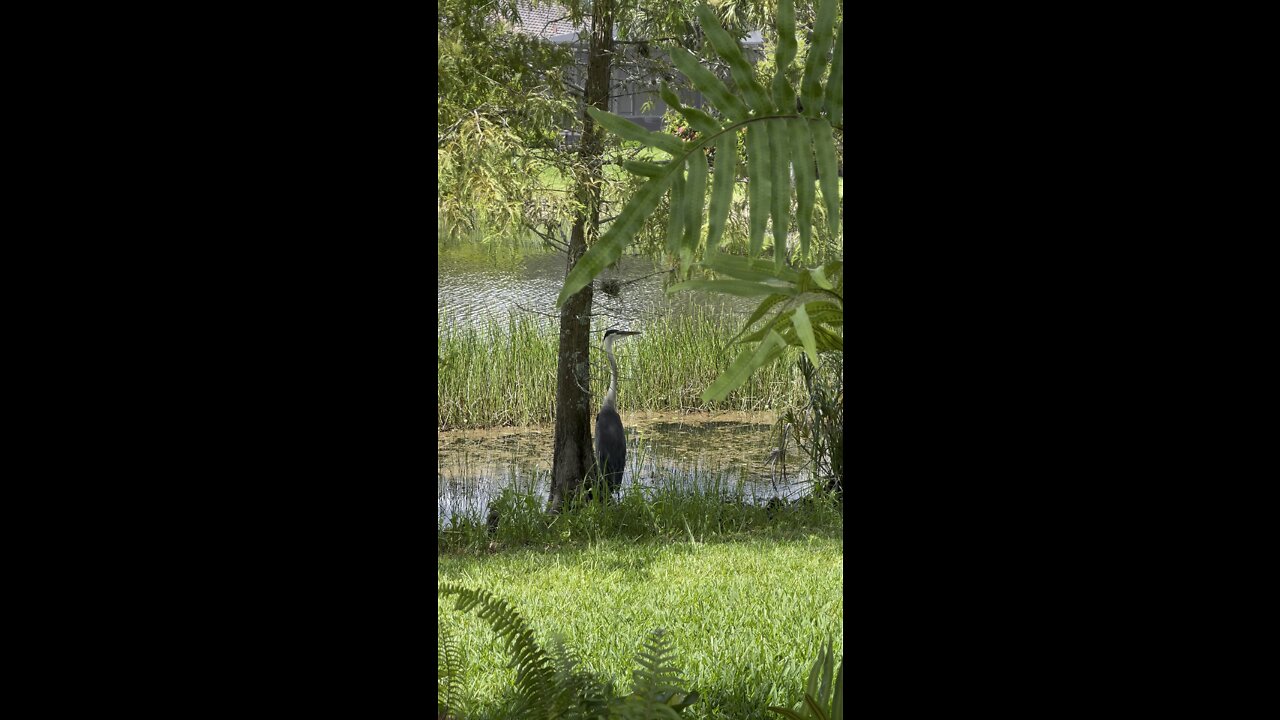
<point x="578" y="694"/>
<point x="448" y="671"/>
<point x="535" y="677"/>
<point x="658" y="681"/>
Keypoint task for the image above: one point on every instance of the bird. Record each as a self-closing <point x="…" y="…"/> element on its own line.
<point x="611" y="441"/>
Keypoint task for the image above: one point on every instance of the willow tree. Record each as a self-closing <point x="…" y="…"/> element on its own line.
<point x="573" y="453"/>
<point x="500" y="106"/>
<point x="787" y="134"/>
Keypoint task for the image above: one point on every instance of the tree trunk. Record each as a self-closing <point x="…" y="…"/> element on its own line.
<point x="574" y="455"/>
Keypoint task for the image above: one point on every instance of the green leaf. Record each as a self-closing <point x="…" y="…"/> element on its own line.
<point x="812" y="686"/>
<point x="811" y="86"/>
<point x="700" y="121"/>
<point x="643" y="169"/>
<point x="709" y="85"/>
<point x="727" y="48"/>
<point x="741" y="288"/>
<point x="759" y="184"/>
<point x="827" y="340"/>
<point x="767" y="351"/>
<point x="786" y="34"/>
<point x="782" y="315"/>
<point x="676" y="216"/>
<point x="695" y="192"/>
<point x="759" y="313"/>
<point x="608" y="248"/>
<point x="779" y="160"/>
<point x="784" y="97"/>
<point x="800" y="319"/>
<point x="824" y="690"/>
<point x="817" y="712"/>
<point x="824" y="148"/>
<point x="787" y="712"/>
<point x="820" y="278"/>
<point x="721" y="188"/>
<point x="744" y="269"/>
<point x="802" y="161"/>
<point x="835" y="82"/>
<point x="628" y="130"/>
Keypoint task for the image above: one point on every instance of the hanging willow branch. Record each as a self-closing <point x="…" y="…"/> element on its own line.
<point x="786" y="135"/>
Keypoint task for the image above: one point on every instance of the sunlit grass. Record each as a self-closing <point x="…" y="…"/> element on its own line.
<point x="746" y="617"/>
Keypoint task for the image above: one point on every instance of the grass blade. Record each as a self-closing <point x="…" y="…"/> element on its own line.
<point x="608" y="248"/>
<point x="722" y="188"/>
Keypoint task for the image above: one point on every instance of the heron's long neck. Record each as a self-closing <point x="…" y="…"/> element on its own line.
<point x="611" y="400"/>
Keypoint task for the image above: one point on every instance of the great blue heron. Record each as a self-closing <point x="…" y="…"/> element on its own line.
<point x="611" y="441"/>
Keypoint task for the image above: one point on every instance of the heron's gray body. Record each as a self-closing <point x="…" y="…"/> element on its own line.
<point x="611" y="447"/>
<point x="611" y="440"/>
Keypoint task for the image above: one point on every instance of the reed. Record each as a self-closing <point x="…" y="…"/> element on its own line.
<point x="692" y="505"/>
<point x="496" y="373"/>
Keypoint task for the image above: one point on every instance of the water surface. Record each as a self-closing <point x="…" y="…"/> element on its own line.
<point x="721" y="452"/>
<point x="477" y="286"/>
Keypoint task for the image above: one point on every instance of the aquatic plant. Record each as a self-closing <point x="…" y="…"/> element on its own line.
<point x="495" y="373"/>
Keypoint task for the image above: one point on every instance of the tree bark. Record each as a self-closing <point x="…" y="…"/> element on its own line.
<point x="574" y="456"/>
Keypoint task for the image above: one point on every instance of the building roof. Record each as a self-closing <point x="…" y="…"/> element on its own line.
<point x="544" y="21"/>
<point x="550" y="21"/>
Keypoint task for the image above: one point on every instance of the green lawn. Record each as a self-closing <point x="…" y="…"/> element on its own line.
<point x="746" y="615"/>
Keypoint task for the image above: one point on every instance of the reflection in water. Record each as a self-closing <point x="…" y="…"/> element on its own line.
<point x="714" y="453"/>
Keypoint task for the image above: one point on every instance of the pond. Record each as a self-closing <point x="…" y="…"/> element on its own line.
<point x="713" y="452"/>
<point x="479" y="285"/>
<point x="732" y="449"/>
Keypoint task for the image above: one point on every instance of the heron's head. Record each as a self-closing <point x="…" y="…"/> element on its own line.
<point x="613" y="334"/>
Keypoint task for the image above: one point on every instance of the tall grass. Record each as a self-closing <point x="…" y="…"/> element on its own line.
<point x="503" y="373"/>
<point x="697" y="505"/>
